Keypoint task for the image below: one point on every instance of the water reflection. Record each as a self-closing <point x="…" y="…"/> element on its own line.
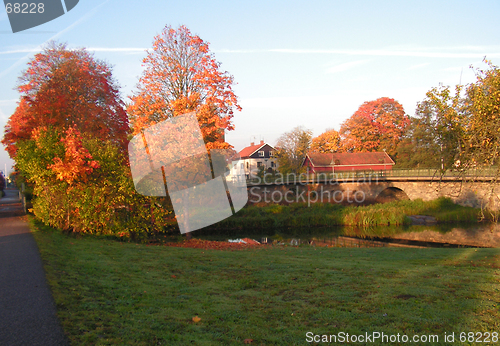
<point x="482" y="235"/>
<point x="452" y="235"/>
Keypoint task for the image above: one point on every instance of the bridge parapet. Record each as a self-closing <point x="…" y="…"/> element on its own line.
<point x="368" y="187"/>
<point x="428" y="174"/>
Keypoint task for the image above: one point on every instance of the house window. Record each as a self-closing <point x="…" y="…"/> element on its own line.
<point x="259" y="164"/>
<point x="241" y="166"/>
<point x="273" y="164"/>
<point x="261" y="153"/>
<point x="247" y="165"/>
<point x="271" y="153"/>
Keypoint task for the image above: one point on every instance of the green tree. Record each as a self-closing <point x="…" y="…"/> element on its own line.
<point x="292" y="148"/>
<point x="483" y="103"/>
<point x="437" y="134"/>
<point x="418" y="148"/>
<point x="483" y="131"/>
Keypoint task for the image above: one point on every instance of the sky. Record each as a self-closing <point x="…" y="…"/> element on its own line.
<point x="296" y="63"/>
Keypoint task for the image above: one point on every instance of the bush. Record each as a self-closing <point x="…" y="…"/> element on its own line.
<point x="87" y="187"/>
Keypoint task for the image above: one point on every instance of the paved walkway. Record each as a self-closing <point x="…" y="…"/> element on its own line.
<point x="27" y="309"/>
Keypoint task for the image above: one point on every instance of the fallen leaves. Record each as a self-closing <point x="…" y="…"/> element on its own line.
<point x="196" y="319"/>
<point x="214" y="245"/>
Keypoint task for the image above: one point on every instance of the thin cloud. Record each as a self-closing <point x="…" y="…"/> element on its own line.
<point x="453" y="69"/>
<point x="345" y="66"/>
<point x="121" y="50"/>
<point x="449" y="52"/>
<point x="414" y="67"/>
<point x="387" y="52"/>
<point x="423" y="52"/>
<point x="94" y="49"/>
<point x="5" y="102"/>
<point x="242" y="50"/>
<point x="17" y="51"/>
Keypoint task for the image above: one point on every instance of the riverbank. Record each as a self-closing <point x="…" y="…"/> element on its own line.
<point x="116" y="293"/>
<point x="326" y="215"/>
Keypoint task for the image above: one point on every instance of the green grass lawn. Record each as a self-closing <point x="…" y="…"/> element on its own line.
<point x="115" y="293"/>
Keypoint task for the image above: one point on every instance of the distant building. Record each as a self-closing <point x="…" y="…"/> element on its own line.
<point x="344" y="162"/>
<point x="256" y="156"/>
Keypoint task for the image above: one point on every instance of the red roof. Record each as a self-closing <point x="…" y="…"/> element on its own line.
<point x="248" y="151"/>
<point x="349" y="159"/>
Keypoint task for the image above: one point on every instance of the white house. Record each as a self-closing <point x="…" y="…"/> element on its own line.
<point x="255" y="156"/>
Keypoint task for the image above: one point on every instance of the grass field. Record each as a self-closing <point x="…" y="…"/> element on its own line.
<point x="116" y="293"/>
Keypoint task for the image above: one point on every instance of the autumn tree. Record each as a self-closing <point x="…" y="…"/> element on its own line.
<point x="292" y="148"/>
<point x="68" y="136"/>
<point x="482" y="146"/>
<point x="327" y="142"/>
<point x="181" y="75"/>
<point x="436" y="136"/>
<point x="483" y="128"/>
<point x="66" y="88"/>
<point x="375" y="126"/>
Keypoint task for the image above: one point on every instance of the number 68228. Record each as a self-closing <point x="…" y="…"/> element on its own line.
<point x="24" y="8"/>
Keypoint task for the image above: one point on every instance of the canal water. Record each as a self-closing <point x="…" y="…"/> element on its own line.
<point x="439" y="235"/>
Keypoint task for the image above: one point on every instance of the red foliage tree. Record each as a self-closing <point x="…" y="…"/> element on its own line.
<point x="77" y="163"/>
<point x="181" y="75"/>
<point x="375" y="126"/>
<point x="67" y="88"/>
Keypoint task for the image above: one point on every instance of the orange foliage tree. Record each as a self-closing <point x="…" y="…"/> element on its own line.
<point x="181" y="75"/>
<point x="327" y="142"/>
<point x="65" y="88"/>
<point x="375" y="126"/>
<point x="68" y="136"/>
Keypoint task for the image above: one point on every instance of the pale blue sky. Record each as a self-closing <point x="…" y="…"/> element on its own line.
<point x="310" y="63"/>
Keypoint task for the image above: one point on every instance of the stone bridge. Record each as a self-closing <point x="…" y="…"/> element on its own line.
<point x="479" y="193"/>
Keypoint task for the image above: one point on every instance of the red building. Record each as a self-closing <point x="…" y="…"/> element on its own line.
<point x="344" y="162"/>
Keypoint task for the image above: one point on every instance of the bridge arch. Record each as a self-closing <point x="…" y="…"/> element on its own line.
<point x="390" y="194"/>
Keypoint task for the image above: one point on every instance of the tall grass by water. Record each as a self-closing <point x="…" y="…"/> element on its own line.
<point x="325" y="215"/>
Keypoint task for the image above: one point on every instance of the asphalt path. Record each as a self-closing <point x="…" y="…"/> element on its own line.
<point x="27" y="310"/>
